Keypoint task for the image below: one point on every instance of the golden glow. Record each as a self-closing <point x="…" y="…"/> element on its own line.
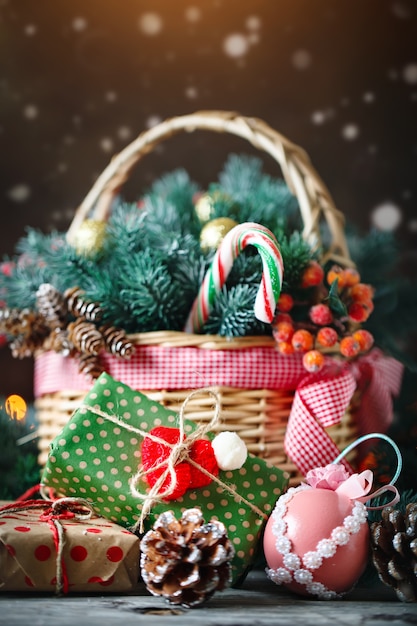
<point x="16" y="407"/>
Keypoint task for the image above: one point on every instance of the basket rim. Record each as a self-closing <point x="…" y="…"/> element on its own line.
<point x="315" y="201"/>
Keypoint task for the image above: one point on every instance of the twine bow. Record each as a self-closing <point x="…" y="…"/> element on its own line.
<point x="179" y="452"/>
<point x="56" y="511"/>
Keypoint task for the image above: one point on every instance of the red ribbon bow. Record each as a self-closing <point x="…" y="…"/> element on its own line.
<point x="321" y="400"/>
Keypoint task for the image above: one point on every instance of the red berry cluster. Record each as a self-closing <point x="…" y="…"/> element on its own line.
<point x="325" y="329"/>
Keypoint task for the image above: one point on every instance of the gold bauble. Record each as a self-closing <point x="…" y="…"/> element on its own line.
<point x="205" y="205"/>
<point x="213" y="233"/>
<point x="89" y="238"/>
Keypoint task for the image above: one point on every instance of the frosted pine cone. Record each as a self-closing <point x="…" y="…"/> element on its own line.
<point x="79" y="307"/>
<point x="186" y="561"/>
<point x="394" y="550"/>
<point x="51" y="304"/>
<point x="116" y="341"/>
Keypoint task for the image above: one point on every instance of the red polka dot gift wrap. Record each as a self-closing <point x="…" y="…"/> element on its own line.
<point x="98" y="452"/>
<point x="44" y="552"/>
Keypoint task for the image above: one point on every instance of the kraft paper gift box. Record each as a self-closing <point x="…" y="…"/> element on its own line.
<point x="42" y="551"/>
<point x="99" y="451"/>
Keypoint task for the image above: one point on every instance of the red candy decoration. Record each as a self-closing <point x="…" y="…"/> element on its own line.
<point x="202" y="453"/>
<point x="154" y="453"/>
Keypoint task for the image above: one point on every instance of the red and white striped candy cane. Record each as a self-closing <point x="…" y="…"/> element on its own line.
<point x="236" y="240"/>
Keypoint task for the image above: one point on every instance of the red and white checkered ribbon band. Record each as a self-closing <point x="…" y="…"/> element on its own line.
<point x="319" y="401"/>
<point x="322" y="402"/>
<point x="153" y="367"/>
<point x="317" y="405"/>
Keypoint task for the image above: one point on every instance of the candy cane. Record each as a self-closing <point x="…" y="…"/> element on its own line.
<point x="236" y="240"/>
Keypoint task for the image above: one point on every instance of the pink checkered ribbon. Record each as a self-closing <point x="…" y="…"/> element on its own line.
<point x="318" y="403"/>
<point x="321" y="402"/>
<point x="379" y="379"/>
<point x="154" y="367"/>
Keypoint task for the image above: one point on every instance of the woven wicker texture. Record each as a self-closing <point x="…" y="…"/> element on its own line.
<point x="258" y="415"/>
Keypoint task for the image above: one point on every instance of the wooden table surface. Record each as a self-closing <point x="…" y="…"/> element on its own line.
<point x="258" y="602"/>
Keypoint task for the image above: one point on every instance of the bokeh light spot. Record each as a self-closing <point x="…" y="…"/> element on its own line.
<point x="150" y="24"/>
<point x="19" y="193"/>
<point x="410" y="73"/>
<point x="235" y="45"/>
<point x="301" y="59"/>
<point x="386" y="216"/>
<point x="16" y="407"/>
<point x="350" y="132"/>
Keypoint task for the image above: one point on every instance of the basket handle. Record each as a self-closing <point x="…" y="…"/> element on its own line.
<point x="302" y="179"/>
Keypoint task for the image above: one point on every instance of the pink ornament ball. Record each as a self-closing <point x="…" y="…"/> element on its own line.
<point x="316" y="542"/>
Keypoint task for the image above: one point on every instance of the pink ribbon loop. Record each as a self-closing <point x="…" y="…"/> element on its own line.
<point x="357" y="486"/>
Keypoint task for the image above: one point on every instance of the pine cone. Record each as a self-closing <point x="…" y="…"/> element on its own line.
<point x="116" y="341"/>
<point x="58" y="341"/>
<point x="85" y="336"/>
<point x="28" y="328"/>
<point x="186" y="561"/>
<point x="51" y="304"/>
<point x="79" y="307"/>
<point x="394" y="550"/>
<point x="90" y="365"/>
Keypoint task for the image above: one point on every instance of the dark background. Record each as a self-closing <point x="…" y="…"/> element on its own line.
<point x="80" y="79"/>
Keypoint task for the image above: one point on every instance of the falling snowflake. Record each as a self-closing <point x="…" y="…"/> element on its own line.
<point x="235" y="45"/>
<point x="399" y="9"/>
<point x="350" y="132"/>
<point x="124" y="133"/>
<point x="301" y="59"/>
<point x="153" y="120"/>
<point x="412" y="226"/>
<point x="253" y="22"/>
<point x="106" y="144"/>
<point x="19" y="193"/>
<point x="150" y="24"/>
<point x="410" y="74"/>
<point x="192" y="14"/>
<point x="191" y="93"/>
<point x="318" y="117"/>
<point x="79" y="24"/>
<point x="111" y="96"/>
<point x="386" y="216"/>
<point x="30" y="112"/>
<point x="30" y="30"/>
<point x="369" y="97"/>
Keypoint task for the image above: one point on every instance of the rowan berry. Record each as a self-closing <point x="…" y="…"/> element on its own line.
<point x="364" y="338"/>
<point x="312" y="275"/>
<point x="349" y="346"/>
<point x="360" y="311"/>
<point x="285" y="302"/>
<point x="321" y="314"/>
<point x="302" y="340"/>
<point x="281" y="317"/>
<point x="336" y="272"/>
<point x="313" y="361"/>
<point x="283" y="331"/>
<point x="361" y="292"/>
<point x="351" y="277"/>
<point x="285" y="347"/>
<point x="327" y="337"/>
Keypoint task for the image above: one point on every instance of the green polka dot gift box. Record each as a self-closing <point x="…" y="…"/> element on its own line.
<point x="98" y="456"/>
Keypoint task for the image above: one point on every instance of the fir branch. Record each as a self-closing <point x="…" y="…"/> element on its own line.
<point x="233" y="313"/>
<point x="262" y="199"/>
<point x="296" y="253"/>
<point x="151" y="299"/>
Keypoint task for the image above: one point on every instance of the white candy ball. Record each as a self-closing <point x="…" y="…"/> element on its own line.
<point x="230" y="450"/>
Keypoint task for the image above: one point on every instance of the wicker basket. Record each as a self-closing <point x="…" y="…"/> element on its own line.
<point x="259" y="415"/>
